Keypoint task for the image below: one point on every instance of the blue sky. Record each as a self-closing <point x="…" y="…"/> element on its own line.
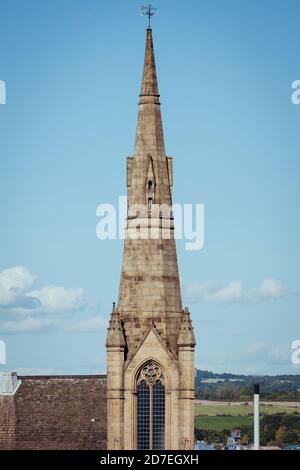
<point x="73" y="69"/>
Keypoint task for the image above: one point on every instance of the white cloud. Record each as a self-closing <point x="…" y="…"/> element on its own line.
<point x="256" y="348"/>
<point x="58" y="299"/>
<point x="268" y="353"/>
<point x="233" y="292"/>
<point x="280" y="354"/>
<point x="28" y="325"/>
<point x="253" y="358"/>
<point x="24" y="310"/>
<point x="14" y="283"/>
<point x="270" y="289"/>
<point x="90" y="325"/>
<point x="213" y="292"/>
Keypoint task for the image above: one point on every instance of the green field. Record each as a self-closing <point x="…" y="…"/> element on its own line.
<point x="218" y="423"/>
<point x="207" y="417"/>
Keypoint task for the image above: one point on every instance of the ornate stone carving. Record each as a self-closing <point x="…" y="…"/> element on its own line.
<point x="151" y="373"/>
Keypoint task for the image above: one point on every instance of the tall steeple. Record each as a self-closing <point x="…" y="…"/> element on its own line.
<point x="149" y="142"/>
<point x="150" y="338"/>
<point x="149" y="83"/>
<point x="149" y="288"/>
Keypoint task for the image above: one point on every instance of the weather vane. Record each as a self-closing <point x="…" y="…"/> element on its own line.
<point x="148" y="11"/>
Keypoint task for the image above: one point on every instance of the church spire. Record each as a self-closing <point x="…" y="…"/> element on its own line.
<point x="150" y="286"/>
<point x="150" y="295"/>
<point x="149" y="133"/>
<point x="149" y="90"/>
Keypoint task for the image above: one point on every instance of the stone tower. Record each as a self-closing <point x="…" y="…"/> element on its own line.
<point x="150" y="341"/>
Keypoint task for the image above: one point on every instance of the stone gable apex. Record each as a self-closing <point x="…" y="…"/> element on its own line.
<point x="153" y="342"/>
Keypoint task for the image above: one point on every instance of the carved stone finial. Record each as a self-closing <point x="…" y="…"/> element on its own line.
<point x="186" y="335"/>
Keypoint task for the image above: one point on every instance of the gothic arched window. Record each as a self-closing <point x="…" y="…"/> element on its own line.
<point x="150" y="408"/>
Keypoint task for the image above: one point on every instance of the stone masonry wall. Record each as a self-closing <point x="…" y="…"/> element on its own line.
<point x="7" y="422"/>
<point x="60" y="412"/>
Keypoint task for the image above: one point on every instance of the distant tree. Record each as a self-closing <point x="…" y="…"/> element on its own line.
<point x="292" y="437"/>
<point x="240" y="387"/>
<point x="245" y="440"/>
<point x="280" y="435"/>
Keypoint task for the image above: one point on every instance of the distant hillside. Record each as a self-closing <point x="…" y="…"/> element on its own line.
<point x="212" y="386"/>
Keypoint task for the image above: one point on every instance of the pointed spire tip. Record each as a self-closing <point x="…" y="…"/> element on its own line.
<point x="149" y="90"/>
